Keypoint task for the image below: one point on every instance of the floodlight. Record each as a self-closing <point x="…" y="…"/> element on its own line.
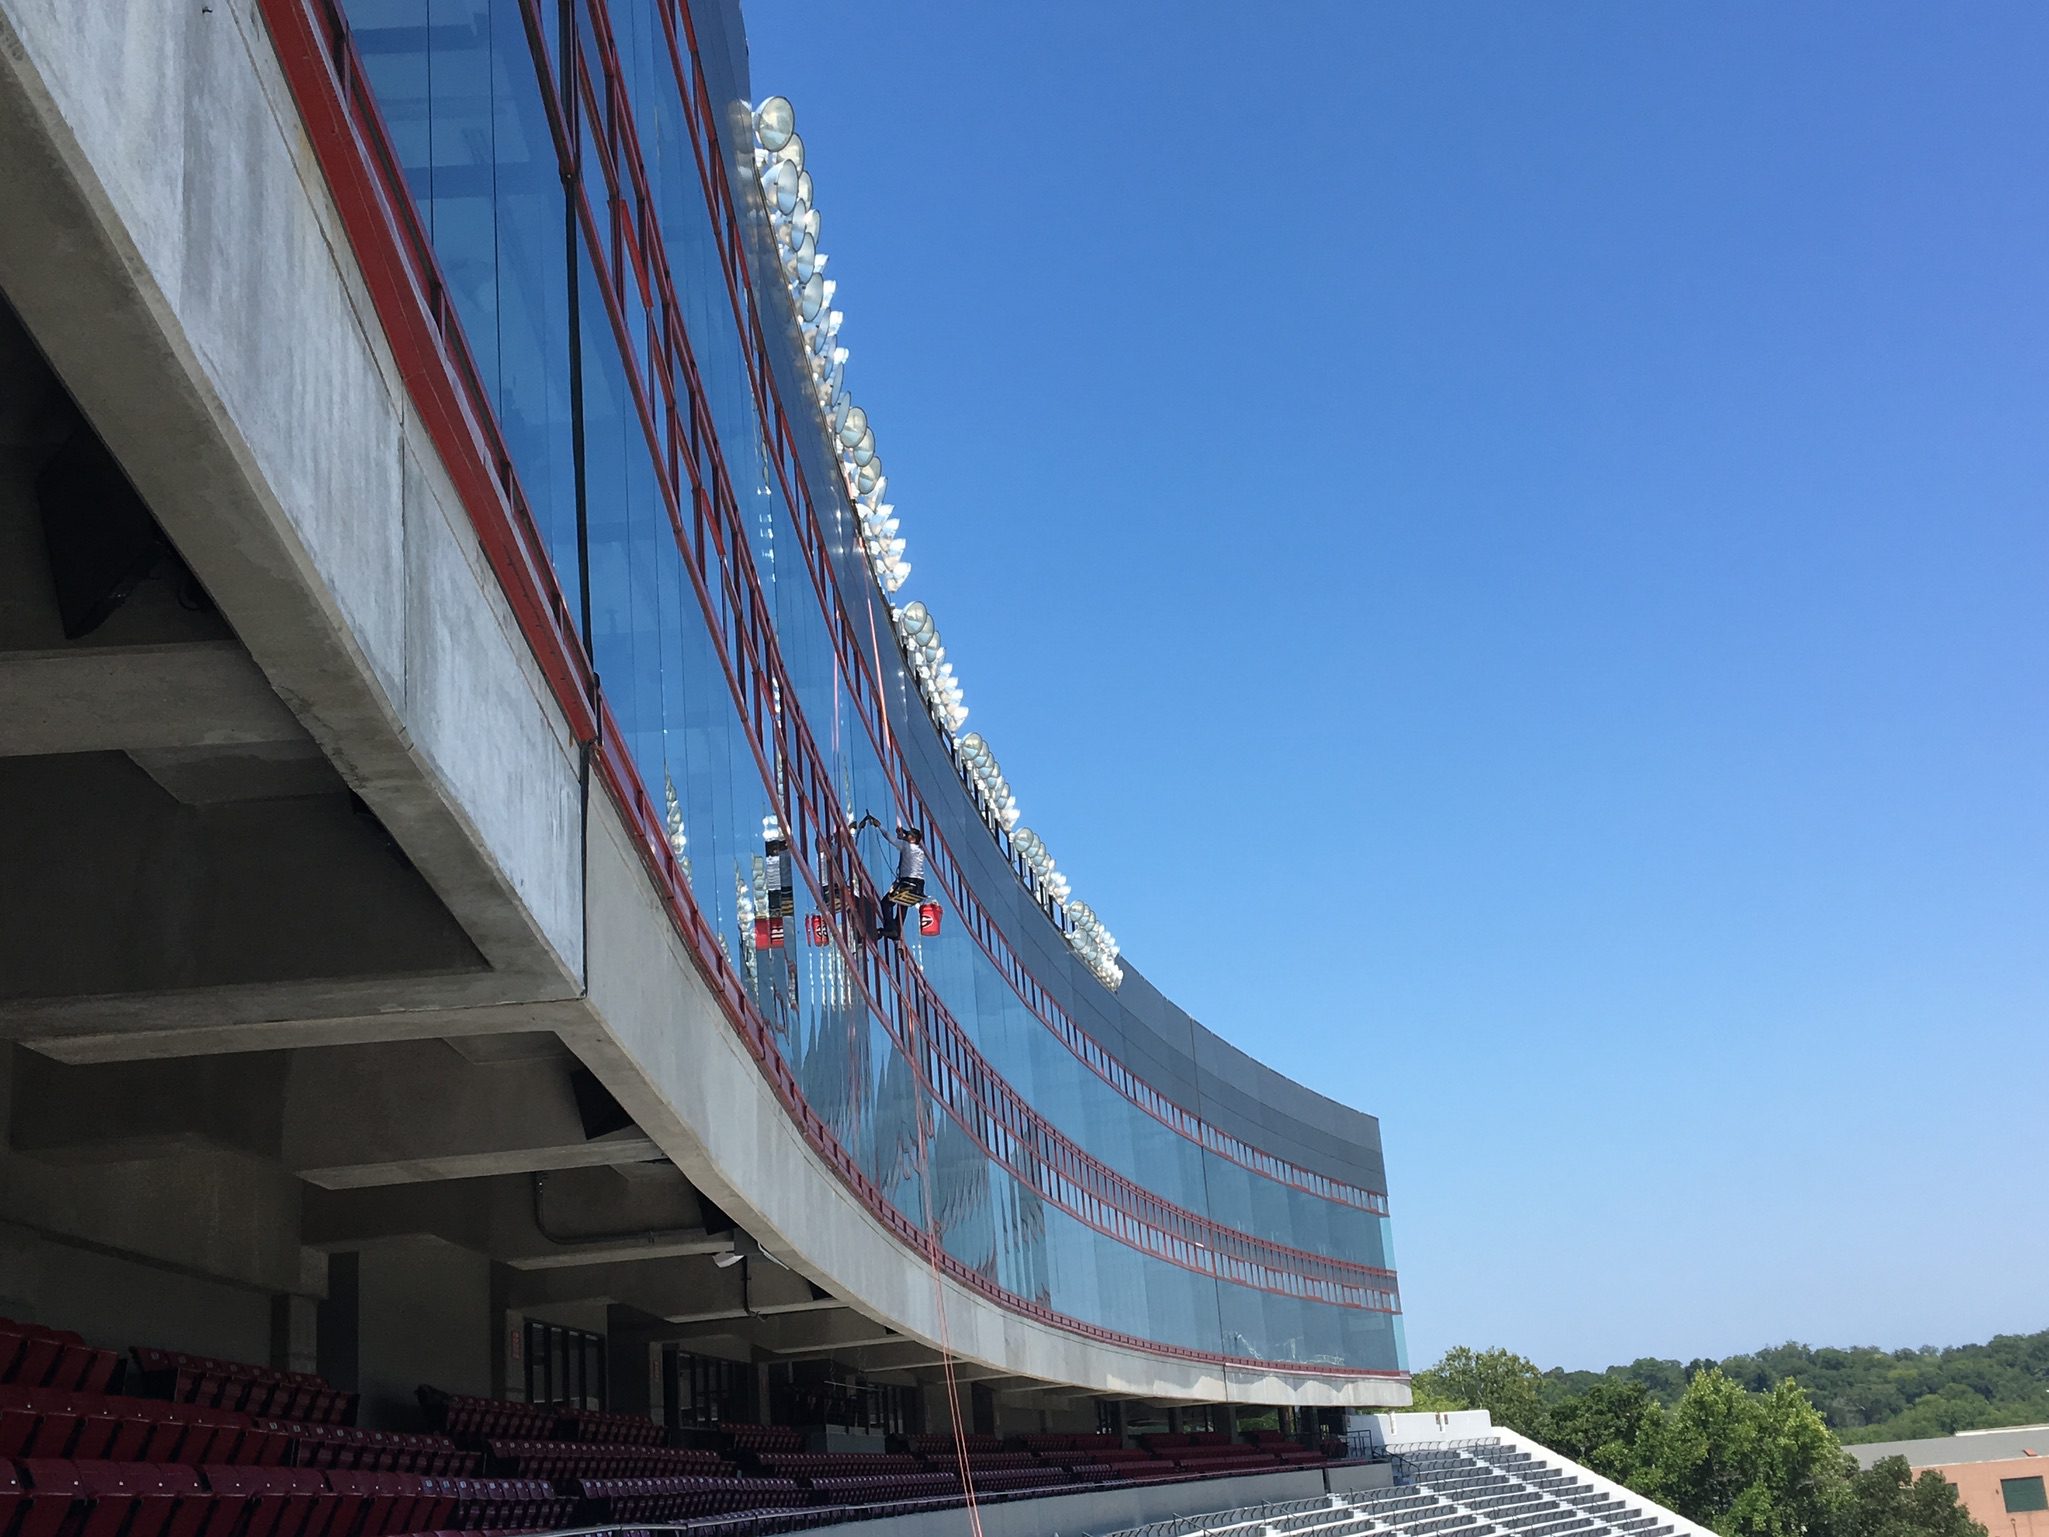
<point x="775" y="123"/>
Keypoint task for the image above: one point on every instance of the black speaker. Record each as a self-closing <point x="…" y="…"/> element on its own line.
<point x="600" y="1113"/>
<point x="101" y="538"/>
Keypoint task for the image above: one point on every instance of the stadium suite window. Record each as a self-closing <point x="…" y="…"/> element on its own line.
<point x="2024" y="1494"/>
<point x="565" y="1368"/>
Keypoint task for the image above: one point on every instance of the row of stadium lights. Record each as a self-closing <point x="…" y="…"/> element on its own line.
<point x="786" y="194"/>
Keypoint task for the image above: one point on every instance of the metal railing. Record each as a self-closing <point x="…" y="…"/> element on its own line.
<point x="1226" y="1520"/>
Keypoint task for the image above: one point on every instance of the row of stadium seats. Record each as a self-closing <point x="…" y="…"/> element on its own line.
<point x="1049" y="1441"/>
<point x="762" y="1438"/>
<point x="825" y="1464"/>
<point x="32" y="1356"/>
<point x="382" y="1451"/>
<point x="927" y="1445"/>
<point x="573" y="1459"/>
<point x="861" y="1488"/>
<point x="608" y="1429"/>
<point x="499" y="1419"/>
<point x="486" y="1419"/>
<point x="50" y="1497"/>
<point x="992" y="1461"/>
<point x="259" y="1390"/>
<point x="678" y="1499"/>
<point x="110" y="1427"/>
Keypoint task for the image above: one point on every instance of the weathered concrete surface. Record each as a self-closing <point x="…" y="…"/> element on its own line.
<point x="198" y="694"/>
<point x="174" y="253"/>
<point x="422" y="1111"/>
<point x="594" y="1217"/>
<point x="1363" y="1475"/>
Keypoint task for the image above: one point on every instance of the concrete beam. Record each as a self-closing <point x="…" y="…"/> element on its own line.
<point x="966" y="1371"/>
<point x="131" y="1110"/>
<point x="249" y="771"/>
<point x="809" y="1305"/>
<point x="900" y="1356"/>
<point x="620" y="1216"/>
<point x="419" y="1110"/>
<point x="653" y="1286"/>
<point x="206" y="1021"/>
<point x="826" y="1334"/>
<point x="111" y="698"/>
<point x="661" y="1244"/>
<point x="118" y="898"/>
<point x="757" y="1289"/>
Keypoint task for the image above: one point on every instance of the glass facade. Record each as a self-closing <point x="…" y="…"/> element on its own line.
<point x="565" y="160"/>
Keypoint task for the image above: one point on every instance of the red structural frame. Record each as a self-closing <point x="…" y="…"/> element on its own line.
<point x="1125" y="1209"/>
<point x="413" y="306"/>
<point x="865" y="688"/>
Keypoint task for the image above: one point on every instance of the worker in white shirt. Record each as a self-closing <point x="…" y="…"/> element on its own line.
<point x="782" y="895"/>
<point x="908" y="890"/>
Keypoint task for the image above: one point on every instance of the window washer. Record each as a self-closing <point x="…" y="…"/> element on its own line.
<point x="908" y="890"/>
<point x="782" y="895"/>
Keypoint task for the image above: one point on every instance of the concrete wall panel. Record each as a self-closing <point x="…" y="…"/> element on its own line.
<point x="174" y="250"/>
<point x="425" y="1317"/>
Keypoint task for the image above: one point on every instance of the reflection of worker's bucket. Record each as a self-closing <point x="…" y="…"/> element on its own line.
<point x="768" y="933"/>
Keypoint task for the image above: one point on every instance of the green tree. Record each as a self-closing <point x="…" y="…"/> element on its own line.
<point x="1610" y="1428"/>
<point x="1503" y="1383"/>
<point x="1747" y="1464"/>
<point x="1863" y="1393"/>
<point x="1887" y="1500"/>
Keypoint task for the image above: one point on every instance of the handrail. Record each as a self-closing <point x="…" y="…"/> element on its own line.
<point x="1221" y="1520"/>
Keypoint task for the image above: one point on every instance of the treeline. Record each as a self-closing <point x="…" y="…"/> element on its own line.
<point x="1866" y="1394"/>
<point x="1747" y="1463"/>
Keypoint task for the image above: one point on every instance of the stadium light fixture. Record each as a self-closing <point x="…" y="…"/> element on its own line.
<point x="788" y="196"/>
<point x="775" y="123"/>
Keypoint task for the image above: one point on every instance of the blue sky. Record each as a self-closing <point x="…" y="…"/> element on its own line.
<point x="1503" y="548"/>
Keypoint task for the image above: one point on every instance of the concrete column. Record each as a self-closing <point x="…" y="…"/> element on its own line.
<point x="425" y="1314"/>
<point x="295" y="1333"/>
<point x="627" y="1353"/>
<point x="1117" y="1418"/>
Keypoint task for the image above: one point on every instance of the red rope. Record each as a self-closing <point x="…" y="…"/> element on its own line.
<point x="925" y="1136"/>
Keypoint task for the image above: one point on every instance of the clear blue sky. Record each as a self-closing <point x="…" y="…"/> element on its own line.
<point x="1503" y="547"/>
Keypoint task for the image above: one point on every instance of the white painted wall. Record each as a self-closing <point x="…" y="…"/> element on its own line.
<point x="1422" y="1425"/>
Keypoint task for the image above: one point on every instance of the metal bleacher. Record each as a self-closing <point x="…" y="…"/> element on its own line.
<point x="1477" y="1488"/>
